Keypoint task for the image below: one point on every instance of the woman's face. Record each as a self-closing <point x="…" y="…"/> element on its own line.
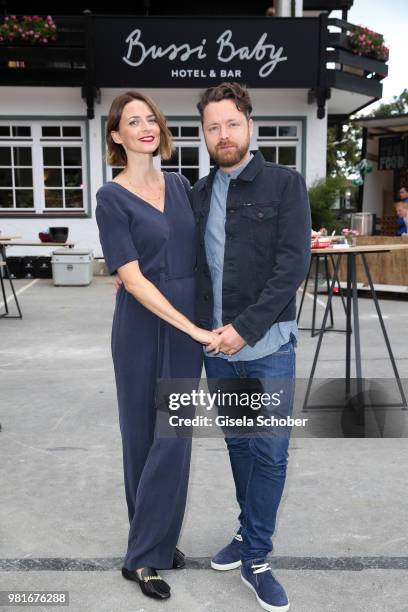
<point x="138" y="130"/>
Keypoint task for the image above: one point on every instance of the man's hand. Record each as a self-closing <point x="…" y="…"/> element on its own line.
<point x="231" y="341"/>
<point x="118" y="282"/>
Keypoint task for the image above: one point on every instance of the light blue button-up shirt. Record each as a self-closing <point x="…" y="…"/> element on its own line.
<point x="279" y="333"/>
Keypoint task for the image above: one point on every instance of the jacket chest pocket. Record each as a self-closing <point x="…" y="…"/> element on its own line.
<point x="260" y="213"/>
<point x="259" y="223"/>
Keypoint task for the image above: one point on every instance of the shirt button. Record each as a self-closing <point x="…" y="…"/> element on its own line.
<point x="206" y="296"/>
<point x="260" y="215"/>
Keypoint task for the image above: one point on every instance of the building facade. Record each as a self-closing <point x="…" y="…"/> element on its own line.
<point x="54" y="100"/>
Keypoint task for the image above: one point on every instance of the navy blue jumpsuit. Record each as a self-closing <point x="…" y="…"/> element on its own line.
<point x="144" y="348"/>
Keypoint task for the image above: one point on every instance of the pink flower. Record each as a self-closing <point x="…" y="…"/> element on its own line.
<point x="44" y="40"/>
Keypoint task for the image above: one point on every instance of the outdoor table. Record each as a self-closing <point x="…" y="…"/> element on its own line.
<point x="317" y="255"/>
<point x="352" y="309"/>
<point x="10" y="241"/>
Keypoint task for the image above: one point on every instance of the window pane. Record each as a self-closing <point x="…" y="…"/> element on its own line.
<point x="23" y="177"/>
<point x="71" y="131"/>
<point x="51" y="131"/>
<point x="191" y="174"/>
<point x="24" y="198"/>
<point x="287" y="130"/>
<point x="22" y="156"/>
<point x="269" y="153"/>
<point x="287" y="156"/>
<point x="174" y="130"/>
<point x="267" y="130"/>
<point x="74" y="198"/>
<point x="52" y="156"/>
<point x="52" y="177"/>
<point x="53" y="198"/>
<point x="73" y="178"/>
<point x="72" y="156"/>
<point x="21" y="130"/>
<point x="5" y="131"/>
<point x="5" y="156"/>
<point x="189" y="156"/>
<point x="189" y="131"/>
<point x="173" y="161"/>
<point x="6" y="198"/>
<point x="5" y="177"/>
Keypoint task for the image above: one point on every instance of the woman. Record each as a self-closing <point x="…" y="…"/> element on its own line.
<point x="147" y="233"/>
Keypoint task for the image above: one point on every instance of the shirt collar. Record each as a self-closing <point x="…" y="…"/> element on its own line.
<point x="227" y="176"/>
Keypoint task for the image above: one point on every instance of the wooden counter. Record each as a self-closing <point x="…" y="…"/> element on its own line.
<point x="385" y="268"/>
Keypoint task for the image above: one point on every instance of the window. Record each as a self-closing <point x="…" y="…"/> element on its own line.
<point x="42" y="166"/>
<point x="280" y="142"/>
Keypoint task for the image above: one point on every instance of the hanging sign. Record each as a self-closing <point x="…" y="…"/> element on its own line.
<point x="191" y="52"/>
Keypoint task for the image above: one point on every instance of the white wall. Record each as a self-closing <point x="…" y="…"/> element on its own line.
<point x="49" y="102"/>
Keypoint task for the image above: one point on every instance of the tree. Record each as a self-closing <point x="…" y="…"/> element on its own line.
<point x="323" y="194"/>
<point x="343" y="156"/>
<point x="398" y="106"/>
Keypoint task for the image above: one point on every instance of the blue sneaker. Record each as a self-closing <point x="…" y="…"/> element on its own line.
<point x="257" y="575"/>
<point x="229" y="557"/>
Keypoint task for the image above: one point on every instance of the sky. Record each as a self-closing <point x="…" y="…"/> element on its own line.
<point x="389" y="18"/>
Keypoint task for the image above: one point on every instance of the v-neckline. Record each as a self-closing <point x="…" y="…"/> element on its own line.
<point x="161" y="212"/>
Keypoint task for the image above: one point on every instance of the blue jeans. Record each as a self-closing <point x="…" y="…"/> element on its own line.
<point x="258" y="463"/>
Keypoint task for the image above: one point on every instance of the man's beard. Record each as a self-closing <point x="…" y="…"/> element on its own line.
<point x="229" y="157"/>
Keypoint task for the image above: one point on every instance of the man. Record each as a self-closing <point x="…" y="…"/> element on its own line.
<point x="403" y="193"/>
<point x="254" y="228"/>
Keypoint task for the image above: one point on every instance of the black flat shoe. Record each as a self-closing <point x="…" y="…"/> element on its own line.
<point x="151" y="584"/>
<point x="179" y="560"/>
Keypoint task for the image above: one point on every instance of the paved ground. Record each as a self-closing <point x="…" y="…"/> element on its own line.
<point x="341" y="541"/>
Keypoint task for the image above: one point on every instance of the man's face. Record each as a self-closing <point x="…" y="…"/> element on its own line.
<point x="403" y="193"/>
<point x="227" y="133"/>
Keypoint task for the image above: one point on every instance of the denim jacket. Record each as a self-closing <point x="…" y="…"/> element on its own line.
<point x="267" y="247"/>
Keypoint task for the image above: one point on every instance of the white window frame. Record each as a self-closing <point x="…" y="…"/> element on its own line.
<point x="280" y="141"/>
<point x="36" y="143"/>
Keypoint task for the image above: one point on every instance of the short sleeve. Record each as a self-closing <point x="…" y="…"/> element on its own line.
<point x="114" y="234"/>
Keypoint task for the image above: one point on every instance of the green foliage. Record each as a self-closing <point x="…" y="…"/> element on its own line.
<point x="344" y="155"/>
<point x="398" y="106"/>
<point x="323" y="194"/>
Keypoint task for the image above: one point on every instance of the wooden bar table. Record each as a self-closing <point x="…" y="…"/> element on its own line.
<point x="10" y="241"/>
<point x="351" y="254"/>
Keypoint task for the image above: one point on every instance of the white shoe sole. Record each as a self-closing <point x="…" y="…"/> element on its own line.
<point x="226" y="566"/>
<point x="263" y="604"/>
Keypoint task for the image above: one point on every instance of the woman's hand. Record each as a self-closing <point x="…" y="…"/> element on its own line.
<point x="203" y="336"/>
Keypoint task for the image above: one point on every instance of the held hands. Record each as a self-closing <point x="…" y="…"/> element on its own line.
<point x="203" y="336"/>
<point x="228" y="341"/>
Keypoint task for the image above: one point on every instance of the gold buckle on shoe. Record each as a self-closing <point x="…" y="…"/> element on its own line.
<point x="152" y="578"/>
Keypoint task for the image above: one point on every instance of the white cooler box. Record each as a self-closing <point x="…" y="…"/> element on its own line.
<point x="72" y="266"/>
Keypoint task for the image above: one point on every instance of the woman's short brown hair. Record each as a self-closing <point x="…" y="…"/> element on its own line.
<point x="226" y="91"/>
<point x="116" y="154"/>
